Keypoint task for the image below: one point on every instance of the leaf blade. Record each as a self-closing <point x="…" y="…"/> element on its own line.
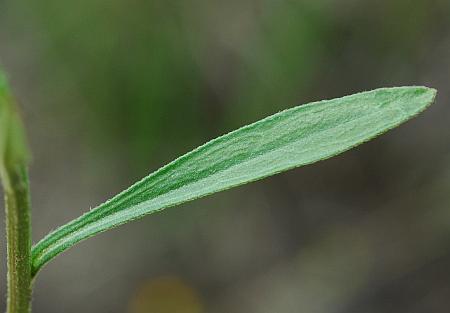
<point x="289" y="139"/>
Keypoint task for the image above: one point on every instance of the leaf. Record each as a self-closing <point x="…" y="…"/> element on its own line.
<point x="289" y="139"/>
<point x="13" y="143"/>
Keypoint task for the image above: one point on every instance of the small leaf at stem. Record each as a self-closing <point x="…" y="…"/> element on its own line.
<point x="13" y="145"/>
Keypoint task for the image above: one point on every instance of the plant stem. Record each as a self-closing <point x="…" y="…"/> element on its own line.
<point x="18" y="233"/>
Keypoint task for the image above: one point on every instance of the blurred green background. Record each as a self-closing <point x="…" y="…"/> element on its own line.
<point x="112" y="90"/>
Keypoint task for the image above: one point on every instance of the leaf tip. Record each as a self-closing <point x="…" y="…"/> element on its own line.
<point x="426" y="96"/>
<point x="415" y="99"/>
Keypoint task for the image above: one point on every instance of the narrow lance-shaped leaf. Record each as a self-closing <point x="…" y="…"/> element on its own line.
<point x="289" y="139"/>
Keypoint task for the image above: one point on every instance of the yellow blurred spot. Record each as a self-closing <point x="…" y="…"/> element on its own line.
<point x="166" y="295"/>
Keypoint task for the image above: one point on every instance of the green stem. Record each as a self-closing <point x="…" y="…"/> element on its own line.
<point x="18" y="233"/>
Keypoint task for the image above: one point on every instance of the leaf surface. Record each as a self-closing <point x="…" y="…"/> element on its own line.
<point x="286" y="140"/>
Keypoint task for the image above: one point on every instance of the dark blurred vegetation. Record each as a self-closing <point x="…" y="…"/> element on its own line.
<point x="111" y="90"/>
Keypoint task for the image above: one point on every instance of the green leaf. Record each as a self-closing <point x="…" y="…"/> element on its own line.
<point x="289" y="139"/>
<point x="13" y="143"/>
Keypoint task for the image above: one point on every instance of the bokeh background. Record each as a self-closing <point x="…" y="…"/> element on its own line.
<point x="112" y="90"/>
